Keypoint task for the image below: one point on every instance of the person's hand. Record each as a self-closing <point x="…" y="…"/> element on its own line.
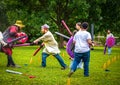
<point x="3" y="43"/>
<point x="93" y="43"/>
<point x="35" y="42"/>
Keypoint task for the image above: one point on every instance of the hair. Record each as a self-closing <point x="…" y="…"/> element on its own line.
<point x="85" y="25"/>
<point x="79" y="24"/>
<point x="74" y="32"/>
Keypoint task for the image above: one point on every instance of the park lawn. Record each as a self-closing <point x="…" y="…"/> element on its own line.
<point x="53" y="75"/>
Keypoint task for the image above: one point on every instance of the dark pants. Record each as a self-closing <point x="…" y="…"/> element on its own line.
<point x="8" y="52"/>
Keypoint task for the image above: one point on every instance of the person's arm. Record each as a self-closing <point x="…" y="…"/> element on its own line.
<point x="43" y="38"/>
<point x="90" y="42"/>
<point x="37" y="40"/>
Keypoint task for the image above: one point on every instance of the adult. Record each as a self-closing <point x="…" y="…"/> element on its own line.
<point x="51" y="46"/>
<point x="9" y="34"/>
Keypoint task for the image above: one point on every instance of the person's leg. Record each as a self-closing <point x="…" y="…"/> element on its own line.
<point x="8" y="52"/>
<point x="44" y="56"/>
<point x="109" y="50"/>
<point x="86" y="60"/>
<point x="71" y="63"/>
<point x="60" y="60"/>
<point x="10" y="61"/>
<point x="76" y="61"/>
<point x="80" y="65"/>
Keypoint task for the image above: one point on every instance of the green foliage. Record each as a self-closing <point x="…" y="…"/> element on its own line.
<point x="105" y="14"/>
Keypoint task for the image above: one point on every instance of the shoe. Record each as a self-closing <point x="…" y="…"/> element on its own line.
<point x="16" y="66"/>
<point x="8" y="65"/>
<point x="42" y="66"/>
<point x="86" y="75"/>
<point x="69" y="75"/>
<point x="63" y="68"/>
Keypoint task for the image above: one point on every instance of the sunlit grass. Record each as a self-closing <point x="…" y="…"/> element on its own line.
<point x="53" y="75"/>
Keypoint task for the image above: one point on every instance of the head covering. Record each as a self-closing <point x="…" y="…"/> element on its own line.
<point x="45" y="26"/>
<point x="19" y="23"/>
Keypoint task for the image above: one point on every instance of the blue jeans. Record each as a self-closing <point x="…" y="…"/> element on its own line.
<point x="57" y="56"/>
<point x="109" y="50"/>
<point x="85" y="57"/>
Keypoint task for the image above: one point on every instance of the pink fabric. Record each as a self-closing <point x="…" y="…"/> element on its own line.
<point x="13" y="29"/>
<point x="7" y="50"/>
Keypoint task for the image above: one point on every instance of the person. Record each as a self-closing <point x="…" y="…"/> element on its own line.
<point x="9" y="34"/>
<point x="51" y="47"/>
<point x="1" y="40"/>
<point x="78" y="27"/>
<point x="109" y="34"/>
<point x="82" y="40"/>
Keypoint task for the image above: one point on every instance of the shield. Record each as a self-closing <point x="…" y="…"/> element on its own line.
<point x="110" y="42"/>
<point x="70" y="47"/>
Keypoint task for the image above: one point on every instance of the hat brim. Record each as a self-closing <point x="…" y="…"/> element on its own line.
<point x="20" y="25"/>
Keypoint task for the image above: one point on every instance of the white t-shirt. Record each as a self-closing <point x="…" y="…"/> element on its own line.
<point x="109" y="35"/>
<point x="81" y="44"/>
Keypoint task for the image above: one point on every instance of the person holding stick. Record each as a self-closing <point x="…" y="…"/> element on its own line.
<point x="82" y="40"/>
<point x="78" y="27"/>
<point x="9" y="34"/>
<point x="51" y="47"/>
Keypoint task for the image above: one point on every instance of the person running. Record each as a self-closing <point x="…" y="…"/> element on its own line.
<point x="82" y="40"/>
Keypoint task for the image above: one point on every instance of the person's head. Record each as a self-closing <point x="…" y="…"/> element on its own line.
<point x="108" y="31"/>
<point x="74" y="32"/>
<point x="45" y="28"/>
<point x="85" y="25"/>
<point x="19" y="24"/>
<point x="78" y="25"/>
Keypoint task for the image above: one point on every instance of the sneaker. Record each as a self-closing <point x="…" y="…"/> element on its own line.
<point x="63" y="68"/>
<point x="86" y="75"/>
<point x="69" y="75"/>
<point x="8" y="65"/>
<point x="16" y="66"/>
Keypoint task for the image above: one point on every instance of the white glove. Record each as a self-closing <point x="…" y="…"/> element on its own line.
<point x="3" y="43"/>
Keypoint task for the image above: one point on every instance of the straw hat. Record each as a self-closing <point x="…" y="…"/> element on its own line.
<point x="19" y="23"/>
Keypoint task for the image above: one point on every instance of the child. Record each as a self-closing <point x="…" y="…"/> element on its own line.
<point x="51" y="46"/>
<point x="78" y="27"/>
<point x="82" y="40"/>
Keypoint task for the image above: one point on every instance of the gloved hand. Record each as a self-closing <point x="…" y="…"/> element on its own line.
<point x="3" y="43"/>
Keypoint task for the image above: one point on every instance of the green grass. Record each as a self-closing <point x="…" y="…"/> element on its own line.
<point x="53" y="75"/>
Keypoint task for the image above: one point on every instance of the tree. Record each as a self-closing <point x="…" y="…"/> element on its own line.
<point x="35" y="13"/>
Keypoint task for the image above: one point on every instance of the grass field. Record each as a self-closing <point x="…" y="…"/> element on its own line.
<point x="53" y="75"/>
